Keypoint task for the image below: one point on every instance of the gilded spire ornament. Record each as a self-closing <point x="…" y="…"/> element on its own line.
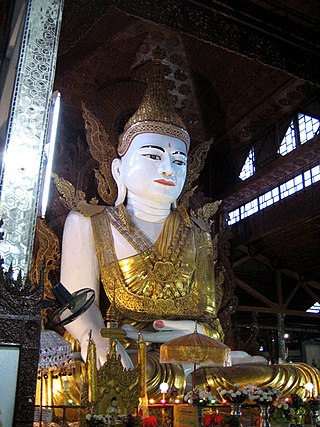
<point x="156" y="113"/>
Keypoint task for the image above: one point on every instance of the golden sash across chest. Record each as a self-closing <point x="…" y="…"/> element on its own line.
<point x="161" y="281"/>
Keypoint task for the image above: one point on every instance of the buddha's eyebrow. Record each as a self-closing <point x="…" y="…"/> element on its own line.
<point x="180" y="152"/>
<point x="153" y="146"/>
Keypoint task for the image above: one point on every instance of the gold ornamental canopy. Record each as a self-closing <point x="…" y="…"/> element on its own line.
<point x="196" y="349"/>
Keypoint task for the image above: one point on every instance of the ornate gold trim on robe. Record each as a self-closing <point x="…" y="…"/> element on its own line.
<point x="151" y="284"/>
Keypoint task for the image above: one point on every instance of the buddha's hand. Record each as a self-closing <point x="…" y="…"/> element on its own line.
<point x="182" y="326"/>
<point x="165" y="330"/>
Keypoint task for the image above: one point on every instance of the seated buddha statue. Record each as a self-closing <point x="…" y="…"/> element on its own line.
<point x="155" y="264"/>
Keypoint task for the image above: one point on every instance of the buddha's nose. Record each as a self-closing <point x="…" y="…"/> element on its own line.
<point x="166" y="167"/>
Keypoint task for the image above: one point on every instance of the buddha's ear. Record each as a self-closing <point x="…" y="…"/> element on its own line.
<point x="117" y="175"/>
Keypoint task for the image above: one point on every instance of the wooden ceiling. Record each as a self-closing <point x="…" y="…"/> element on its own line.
<point x="234" y="70"/>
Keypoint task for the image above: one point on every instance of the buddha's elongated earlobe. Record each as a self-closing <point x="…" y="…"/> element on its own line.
<point x="116" y="173"/>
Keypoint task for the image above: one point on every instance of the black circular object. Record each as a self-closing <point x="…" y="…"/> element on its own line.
<point x="73" y="306"/>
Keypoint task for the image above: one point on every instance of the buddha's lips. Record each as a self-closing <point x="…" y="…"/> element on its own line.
<point x="165" y="182"/>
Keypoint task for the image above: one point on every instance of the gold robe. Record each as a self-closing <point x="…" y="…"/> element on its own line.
<point x="170" y="279"/>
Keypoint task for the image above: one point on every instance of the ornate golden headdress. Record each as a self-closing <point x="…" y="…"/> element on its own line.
<point x="156" y="113"/>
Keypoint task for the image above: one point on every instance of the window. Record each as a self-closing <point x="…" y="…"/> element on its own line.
<point x="292" y="186"/>
<point x="289" y="141"/>
<point x="248" y="168"/>
<point x="234" y="216"/>
<point x="314" y="309"/>
<point x="276" y="194"/>
<point x="308" y="127"/>
<point x="301" y="129"/>
<point x="249" y="208"/>
<point x="269" y="198"/>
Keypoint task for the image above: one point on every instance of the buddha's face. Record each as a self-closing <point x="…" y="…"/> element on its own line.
<point x="154" y="168"/>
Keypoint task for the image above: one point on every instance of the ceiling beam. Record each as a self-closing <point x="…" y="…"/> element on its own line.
<point x="254" y="293"/>
<point x="257" y="35"/>
<point x="274" y="310"/>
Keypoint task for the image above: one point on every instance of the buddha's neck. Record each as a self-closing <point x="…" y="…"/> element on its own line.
<point x="147" y="210"/>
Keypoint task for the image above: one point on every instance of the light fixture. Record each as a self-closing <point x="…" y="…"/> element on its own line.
<point x="309" y="388"/>
<point x="164" y="387"/>
<point x="49" y="151"/>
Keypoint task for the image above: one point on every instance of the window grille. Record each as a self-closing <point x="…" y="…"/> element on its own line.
<point x="308" y="127"/>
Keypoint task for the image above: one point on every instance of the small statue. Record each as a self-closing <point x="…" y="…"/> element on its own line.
<point x="113" y="411"/>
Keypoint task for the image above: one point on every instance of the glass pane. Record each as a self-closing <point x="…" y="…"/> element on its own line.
<point x="308" y="127"/>
<point x="234" y="216"/>
<point x="248" y="168"/>
<point x="269" y="198"/>
<point x="289" y="141"/>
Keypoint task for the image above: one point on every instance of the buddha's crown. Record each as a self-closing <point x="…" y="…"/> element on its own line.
<point x="156" y="113"/>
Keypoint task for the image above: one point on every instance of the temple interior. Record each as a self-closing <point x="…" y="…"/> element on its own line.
<point x="244" y="77"/>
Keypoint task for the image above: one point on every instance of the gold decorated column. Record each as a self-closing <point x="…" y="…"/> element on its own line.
<point x="142" y="361"/>
<point x="92" y="372"/>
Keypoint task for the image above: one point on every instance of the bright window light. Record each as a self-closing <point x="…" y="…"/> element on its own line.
<point x="276" y="194"/>
<point x="315" y="173"/>
<point x="288" y="143"/>
<point x="234" y="216"/>
<point x="249" y="208"/>
<point x="49" y="151"/>
<point x="292" y="186"/>
<point x="248" y="168"/>
<point x="308" y="127"/>
<point x="314" y="309"/>
<point x="307" y="178"/>
<point x="269" y="198"/>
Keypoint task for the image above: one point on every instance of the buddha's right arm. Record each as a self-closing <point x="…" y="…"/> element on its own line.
<point x="79" y="269"/>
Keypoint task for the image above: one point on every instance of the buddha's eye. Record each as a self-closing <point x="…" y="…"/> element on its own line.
<point x="179" y="162"/>
<point x="152" y="156"/>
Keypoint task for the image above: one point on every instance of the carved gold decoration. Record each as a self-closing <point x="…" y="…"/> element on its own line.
<point x="104" y="152"/>
<point x="288" y="378"/>
<point x="45" y="260"/>
<point x="75" y="199"/>
<point x="156" y="113"/>
<point x="203" y="217"/>
<point x="196" y="159"/>
<point x="116" y="381"/>
<point x="162" y="279"/>
<point x="69" y="196"/>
